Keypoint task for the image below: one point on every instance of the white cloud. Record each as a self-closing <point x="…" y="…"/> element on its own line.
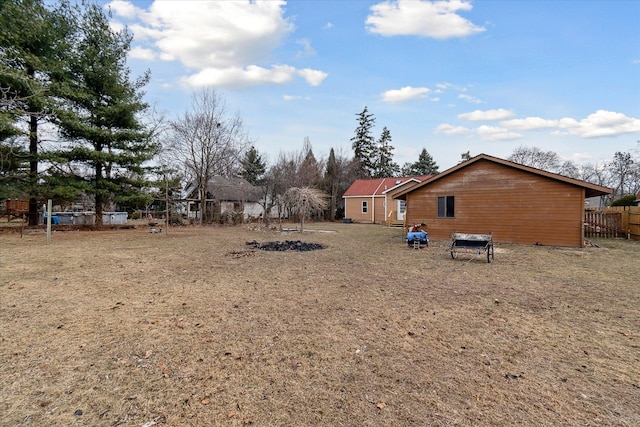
<point x="328" y="26"/>
<point x="488" y="115"/>
<point x="295" y="98"/>
<point x="235" y="76"/>
<point x="448" y="129"/>
<point x="143" y="32"/>
<point x="442" y="87"/>
<point x="306" y="50"/>
<point x="602" y="123"/>
<point x="495" y="133"/>
<point x="218" y="34"/>
<point x="404" y="94"/>
<point x="138" y="52"/>
<point x="123" y="8"/>
<point x="470" y="99"/>
<point x="530" y="123"/>
<point x="223" y="42"/>
<point x="313" y="77"/>
<point x="117" y="26"/>
<point x="436" y="19"/>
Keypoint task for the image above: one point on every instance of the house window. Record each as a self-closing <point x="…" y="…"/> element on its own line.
<point x="365" y="207"/>
<point x="446" y="207"/>
<point x="403" y="206"/>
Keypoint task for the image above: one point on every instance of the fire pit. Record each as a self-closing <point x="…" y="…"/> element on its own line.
<point x="287" y="245"/>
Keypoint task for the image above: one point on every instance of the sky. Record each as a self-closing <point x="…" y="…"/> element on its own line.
<point x="446" y="76"/>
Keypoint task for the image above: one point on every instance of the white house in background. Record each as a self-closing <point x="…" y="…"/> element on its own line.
<point x="228" y="195"/>
<point x="225" y="195"/>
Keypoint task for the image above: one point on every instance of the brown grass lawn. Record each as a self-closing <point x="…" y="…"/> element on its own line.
<point x="195" y="328"/>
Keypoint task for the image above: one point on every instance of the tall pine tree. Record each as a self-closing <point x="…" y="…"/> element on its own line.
<point x="364" y="145"/>
<point x="384" y="165"/>
<point x="108" y="143"/>
<point x="253" y="166"/>
<point x="33" y="45"/>
<point x="424" y="166"/>
<point x="331" y="182"/>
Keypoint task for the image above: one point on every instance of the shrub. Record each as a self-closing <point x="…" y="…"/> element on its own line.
<point x="624" y="201"/>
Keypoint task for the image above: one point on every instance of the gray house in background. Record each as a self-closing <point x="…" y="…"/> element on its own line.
<point x="225" y="195"/>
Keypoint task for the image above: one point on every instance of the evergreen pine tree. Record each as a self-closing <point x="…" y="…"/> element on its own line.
<point x="384" y="165"/>
<point x="14" y="169"/>
<point x="331" y="182"/>
<point x="253" y="166"/>
<point x="465" y="156"/>
<point x="424" y="166"/>
<point x="363" y="144"/>
<point x="32" y="51"/>
<point x="108" y="143"/>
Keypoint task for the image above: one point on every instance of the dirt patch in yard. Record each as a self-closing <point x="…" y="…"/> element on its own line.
<point x="127" y="327"/>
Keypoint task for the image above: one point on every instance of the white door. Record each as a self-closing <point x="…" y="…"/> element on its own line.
<point x="402" y="207"/>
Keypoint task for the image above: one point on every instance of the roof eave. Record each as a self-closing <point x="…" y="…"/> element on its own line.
<point x="591" y="190"/>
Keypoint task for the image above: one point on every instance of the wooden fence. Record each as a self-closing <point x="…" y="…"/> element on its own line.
<point x="619" y="221"/>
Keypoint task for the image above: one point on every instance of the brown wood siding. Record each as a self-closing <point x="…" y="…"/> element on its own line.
<point x="379" y="212"/>
<point x="353" y="209"/>
<point x="490" y="197"/>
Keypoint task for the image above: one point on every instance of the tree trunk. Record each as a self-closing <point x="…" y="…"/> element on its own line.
<point x="33" y="169"/>
<point x="333" y="207"/>
<point x="203" y="204"/>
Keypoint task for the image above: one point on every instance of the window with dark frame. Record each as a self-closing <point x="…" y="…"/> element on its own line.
<point x="446" y="207"/>
<point x="365" y="207"/>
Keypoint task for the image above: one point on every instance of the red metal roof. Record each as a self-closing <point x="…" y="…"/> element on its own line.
<point x="376" y="186"/>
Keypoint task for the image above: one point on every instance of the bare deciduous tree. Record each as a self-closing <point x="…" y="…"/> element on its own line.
<point x="305" y="201"/>
<point x="623" y="169"/>
<point x="340" y="172"/>
<point x="208" y="141"/>
<point x="309" y="169"/>
<point x="536" y="158"/>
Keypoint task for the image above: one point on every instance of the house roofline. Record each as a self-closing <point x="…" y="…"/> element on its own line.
<point x="401" y="184"/>
<point x="595" y="190"/>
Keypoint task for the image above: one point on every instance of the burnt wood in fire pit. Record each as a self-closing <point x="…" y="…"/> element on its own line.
<point x="287" y="245"/>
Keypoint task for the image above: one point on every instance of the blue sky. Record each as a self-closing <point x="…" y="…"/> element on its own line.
<point x="449" y="76"/>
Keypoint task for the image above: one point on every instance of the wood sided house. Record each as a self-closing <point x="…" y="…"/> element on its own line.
<point x="490" y="195"/>
<point x="371" y="200"/>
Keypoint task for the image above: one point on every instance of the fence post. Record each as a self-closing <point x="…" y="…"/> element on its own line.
<point x="49" y="208"/>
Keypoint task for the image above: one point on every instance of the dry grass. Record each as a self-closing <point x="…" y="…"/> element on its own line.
<point x="195" y="329"/>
